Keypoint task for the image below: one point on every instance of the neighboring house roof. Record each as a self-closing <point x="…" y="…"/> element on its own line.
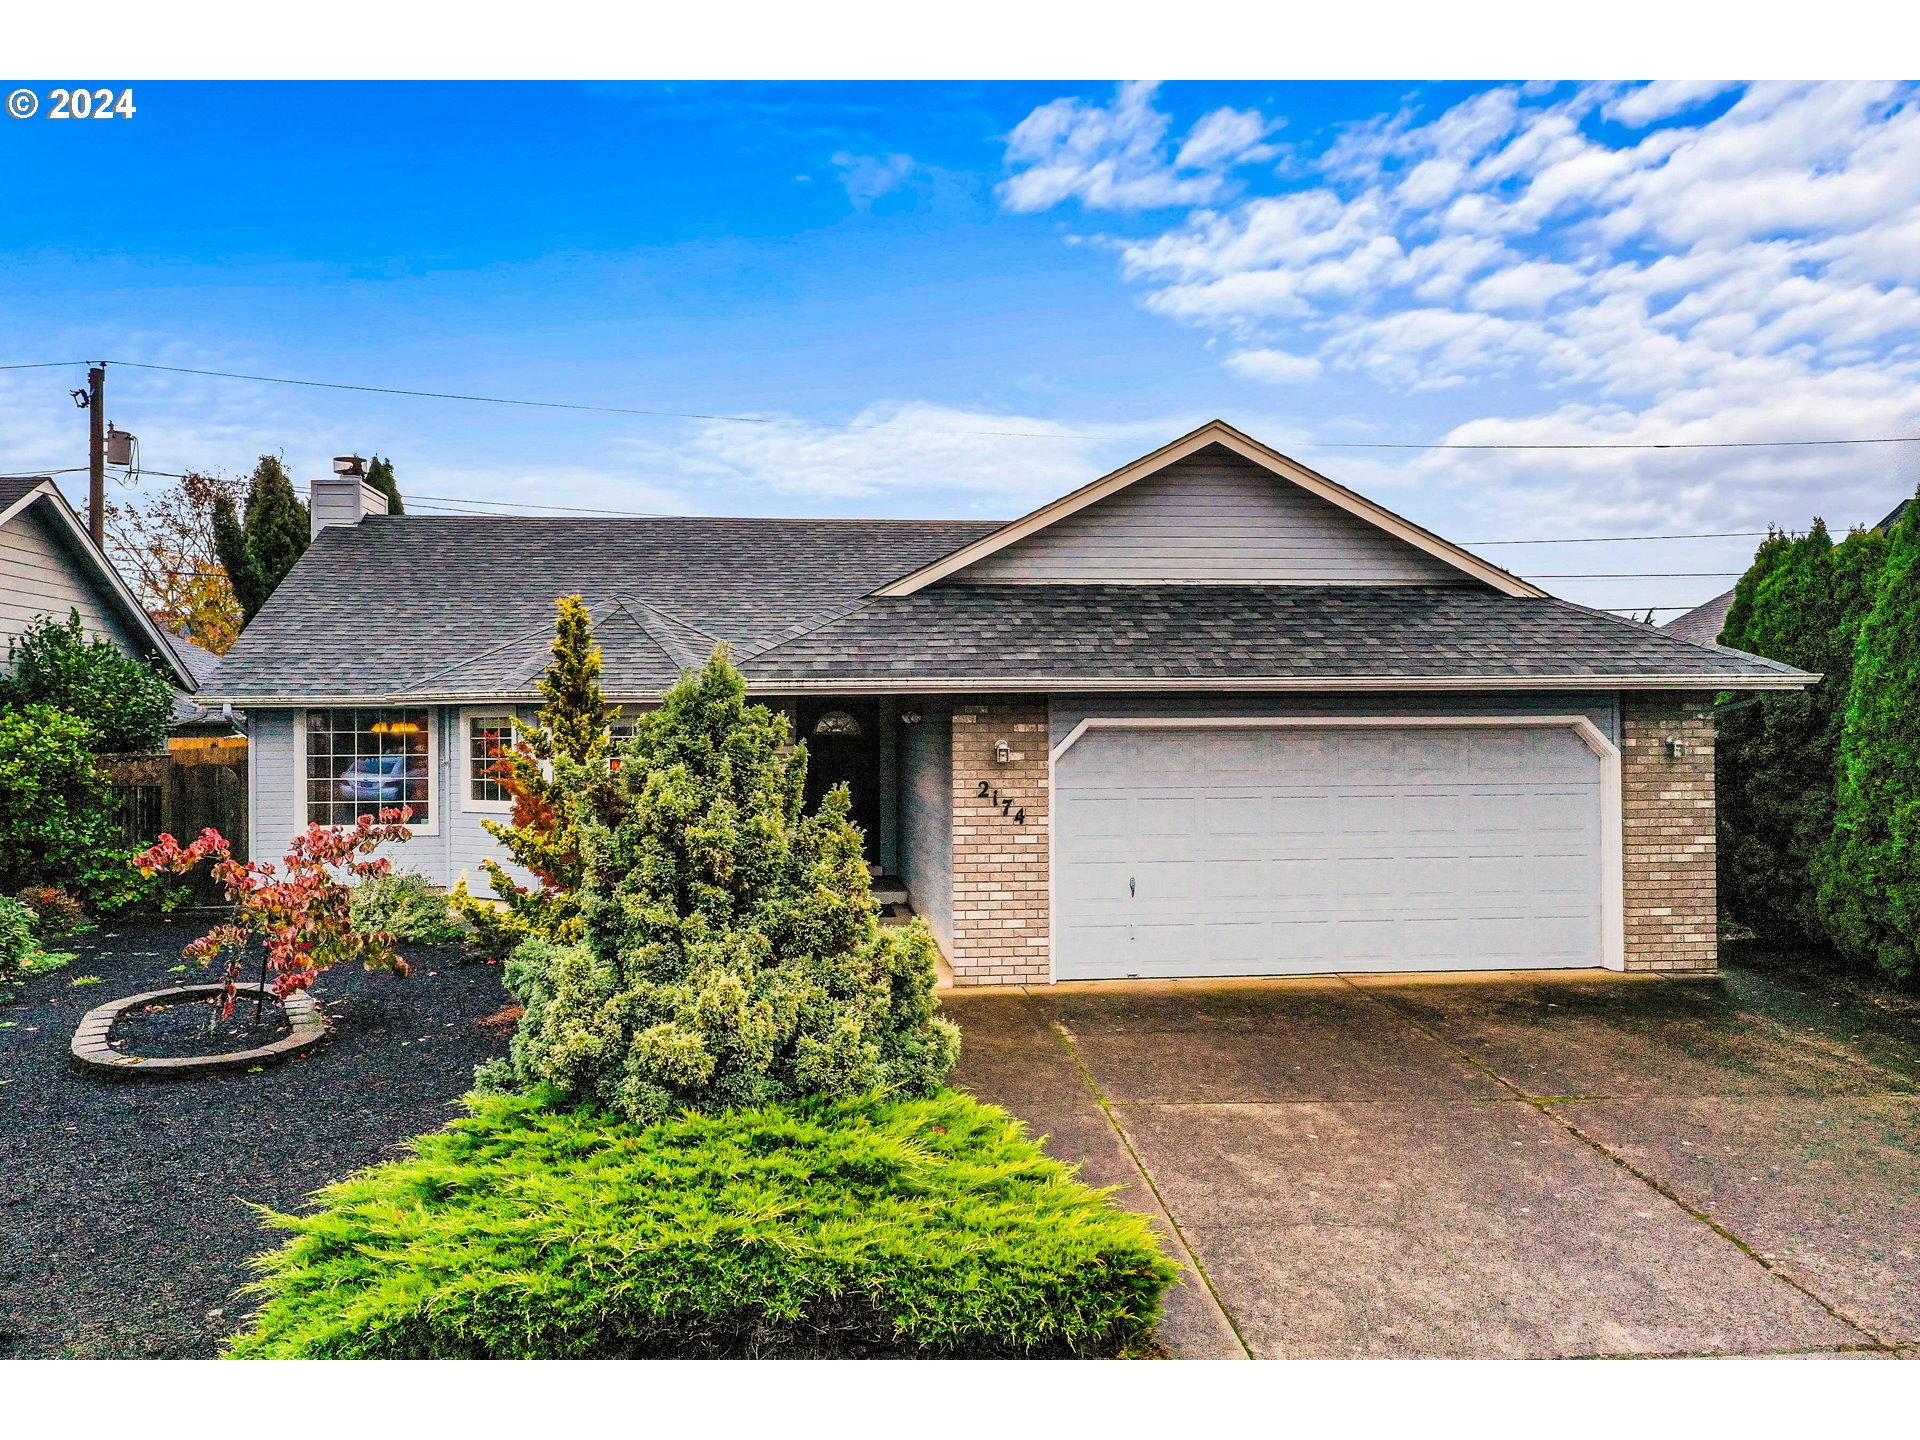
<point x="188" y="712"/>
<point x="1892" y="517"/>
<point x="20" y="495"/>
<point x="447" y="609"/>
<point x="1702" y="624"/>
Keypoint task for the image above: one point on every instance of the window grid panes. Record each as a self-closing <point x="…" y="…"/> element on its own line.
<point x="489" y="737"/>
<point x="360" y="762"/>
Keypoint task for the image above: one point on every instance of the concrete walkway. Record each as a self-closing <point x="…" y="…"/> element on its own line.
<point x="1490" y="1167"/>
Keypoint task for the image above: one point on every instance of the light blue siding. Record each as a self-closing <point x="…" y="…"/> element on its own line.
<point x="1212" y="519"/>
<point x="926" y="816"/>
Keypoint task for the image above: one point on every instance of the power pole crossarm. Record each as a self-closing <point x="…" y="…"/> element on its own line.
<point x="97" y="453"/>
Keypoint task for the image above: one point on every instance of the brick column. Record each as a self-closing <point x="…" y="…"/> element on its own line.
<point x="1000" y="903"/>
<point x="1667" y="851"/>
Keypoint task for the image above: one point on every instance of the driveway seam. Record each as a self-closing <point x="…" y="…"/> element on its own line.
<point x="1066" y="1040"/>
<point x="1544" y="1106"/>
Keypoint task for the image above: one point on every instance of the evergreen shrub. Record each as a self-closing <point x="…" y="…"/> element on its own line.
<point x="860" y="1227"/>
<point x="1802" y="603"/>
<point x="1869" y="868"/>
<point x="405" y="906"/>
<point x="732" y="953"/>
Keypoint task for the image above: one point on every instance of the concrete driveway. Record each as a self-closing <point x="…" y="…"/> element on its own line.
<point x="1507" y="1166"/>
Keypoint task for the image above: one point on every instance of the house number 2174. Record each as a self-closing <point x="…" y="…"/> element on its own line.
<point x="1016" y="814"/>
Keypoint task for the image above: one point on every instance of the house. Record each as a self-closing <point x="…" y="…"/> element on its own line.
<point x="1211" y="714"/>
<point x="49" y="565"/>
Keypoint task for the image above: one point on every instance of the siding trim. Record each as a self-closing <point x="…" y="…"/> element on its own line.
<point x="1613" y="901"/>
<point x="1216" y="432"/>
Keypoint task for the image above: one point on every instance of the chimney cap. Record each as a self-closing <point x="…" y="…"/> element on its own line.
<point x="350" y="465"/>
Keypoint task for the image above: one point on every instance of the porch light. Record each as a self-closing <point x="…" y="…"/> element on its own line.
<point x="910" y="716"/>
<point x="1002" y="753"/>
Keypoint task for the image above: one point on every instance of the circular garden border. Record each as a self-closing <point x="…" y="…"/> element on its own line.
<point x="90" y="1050"/>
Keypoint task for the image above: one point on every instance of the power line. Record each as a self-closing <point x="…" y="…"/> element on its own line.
<point x="716" y="417"/>
<point x="1652" y="575"/>
<point x="1600" y="539"/>
<point x="45" y="365"/>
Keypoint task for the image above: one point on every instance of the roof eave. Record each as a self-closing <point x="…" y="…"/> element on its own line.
<point x="1045" y="684"/>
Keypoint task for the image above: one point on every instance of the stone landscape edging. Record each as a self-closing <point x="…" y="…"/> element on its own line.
<point x="90" y="1050"/>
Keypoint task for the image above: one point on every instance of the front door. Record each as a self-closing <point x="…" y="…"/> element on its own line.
<point x="843" y="747"/>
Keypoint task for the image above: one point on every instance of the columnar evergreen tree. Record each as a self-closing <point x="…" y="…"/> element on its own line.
<point x="732" y="954"/>
<point x="260" y="548"/>
<point x="551" y="773"/>
<point x="380" y="477"/>
<point x="1869" y="870"/>
<point x="1777" y="756"/>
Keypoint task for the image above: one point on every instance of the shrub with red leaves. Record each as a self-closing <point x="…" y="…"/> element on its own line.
<point x="301" y="917"/>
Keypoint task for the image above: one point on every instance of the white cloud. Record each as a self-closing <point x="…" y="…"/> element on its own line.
<point x="977" y="461"/>
<point x="1276" y="367"/>
<point x="1512" y="266"/>
<point x="1115" y="156"/>
<point x="1662" y="98"/>
<point x="868" y="177"/>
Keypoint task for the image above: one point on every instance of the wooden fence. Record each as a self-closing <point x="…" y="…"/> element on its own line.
<point x="182" y="790"/>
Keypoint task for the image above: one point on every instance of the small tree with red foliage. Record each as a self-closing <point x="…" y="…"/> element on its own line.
<point x="301" y="917"/>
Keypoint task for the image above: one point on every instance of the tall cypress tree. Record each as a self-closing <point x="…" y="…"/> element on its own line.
<point x="380" y="477"/>
<point x="230" y="544"/>
<point x="260" y="549"/>
<point x="1778" y="754"/>
<point x="554" y="770"/>
<point x="1869" y="869"/>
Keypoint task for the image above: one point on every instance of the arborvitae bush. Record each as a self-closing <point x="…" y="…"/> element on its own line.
<point x="1869" y="869"/>
<point x="732" y="953"/>
<point x="1802" y="603"/>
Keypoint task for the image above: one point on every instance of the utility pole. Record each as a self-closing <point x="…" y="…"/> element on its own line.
<point x="97" y="453"/>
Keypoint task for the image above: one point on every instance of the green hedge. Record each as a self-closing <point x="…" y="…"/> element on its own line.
<point x="1869" y="871"/>
<point x="1802" y="602"/>
<point x="860" y="1227"/>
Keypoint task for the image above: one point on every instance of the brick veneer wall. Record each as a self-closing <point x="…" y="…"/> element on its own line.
<point x="1667" y="852"/>
<point x="1000" y="904"/>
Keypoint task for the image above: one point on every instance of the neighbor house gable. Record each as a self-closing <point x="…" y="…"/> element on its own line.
<point x="1214" y="507"/>
<point x="49" y="566"/>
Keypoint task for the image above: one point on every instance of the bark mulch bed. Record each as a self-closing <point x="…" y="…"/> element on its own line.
<point x="124" y="1219"/>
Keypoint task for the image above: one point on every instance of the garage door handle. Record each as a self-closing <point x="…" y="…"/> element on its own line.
<point x="1129" y="887"/>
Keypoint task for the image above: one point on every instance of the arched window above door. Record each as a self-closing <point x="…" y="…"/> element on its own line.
<point x="836" y="722"/>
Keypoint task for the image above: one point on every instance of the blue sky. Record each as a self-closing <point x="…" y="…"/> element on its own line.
<point x="964" y="299"/>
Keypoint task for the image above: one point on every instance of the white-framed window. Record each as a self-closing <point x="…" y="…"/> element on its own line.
<point x="485" y="735"/>
<point x="356" y="762"/>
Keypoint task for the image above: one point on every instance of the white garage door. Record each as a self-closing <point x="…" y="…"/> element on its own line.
<point x="1299" y="850"/>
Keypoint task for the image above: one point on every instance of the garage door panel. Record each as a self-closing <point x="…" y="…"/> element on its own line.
<point x="1242" y="816"/>
<point x="1296" y="850"/>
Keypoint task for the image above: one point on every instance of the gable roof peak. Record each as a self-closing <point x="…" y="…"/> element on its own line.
<point x="1215" y="432"/>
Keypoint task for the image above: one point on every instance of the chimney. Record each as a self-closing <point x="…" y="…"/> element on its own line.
<point x="344" y="497"/>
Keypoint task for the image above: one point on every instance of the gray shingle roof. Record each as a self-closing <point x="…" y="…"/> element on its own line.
<point x="1703" y="623"/>
<point x="1044" y="636"/>
<point x="12" y="487"/>
<point x="448" y="608"/>
<point x="464" y="605"/>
